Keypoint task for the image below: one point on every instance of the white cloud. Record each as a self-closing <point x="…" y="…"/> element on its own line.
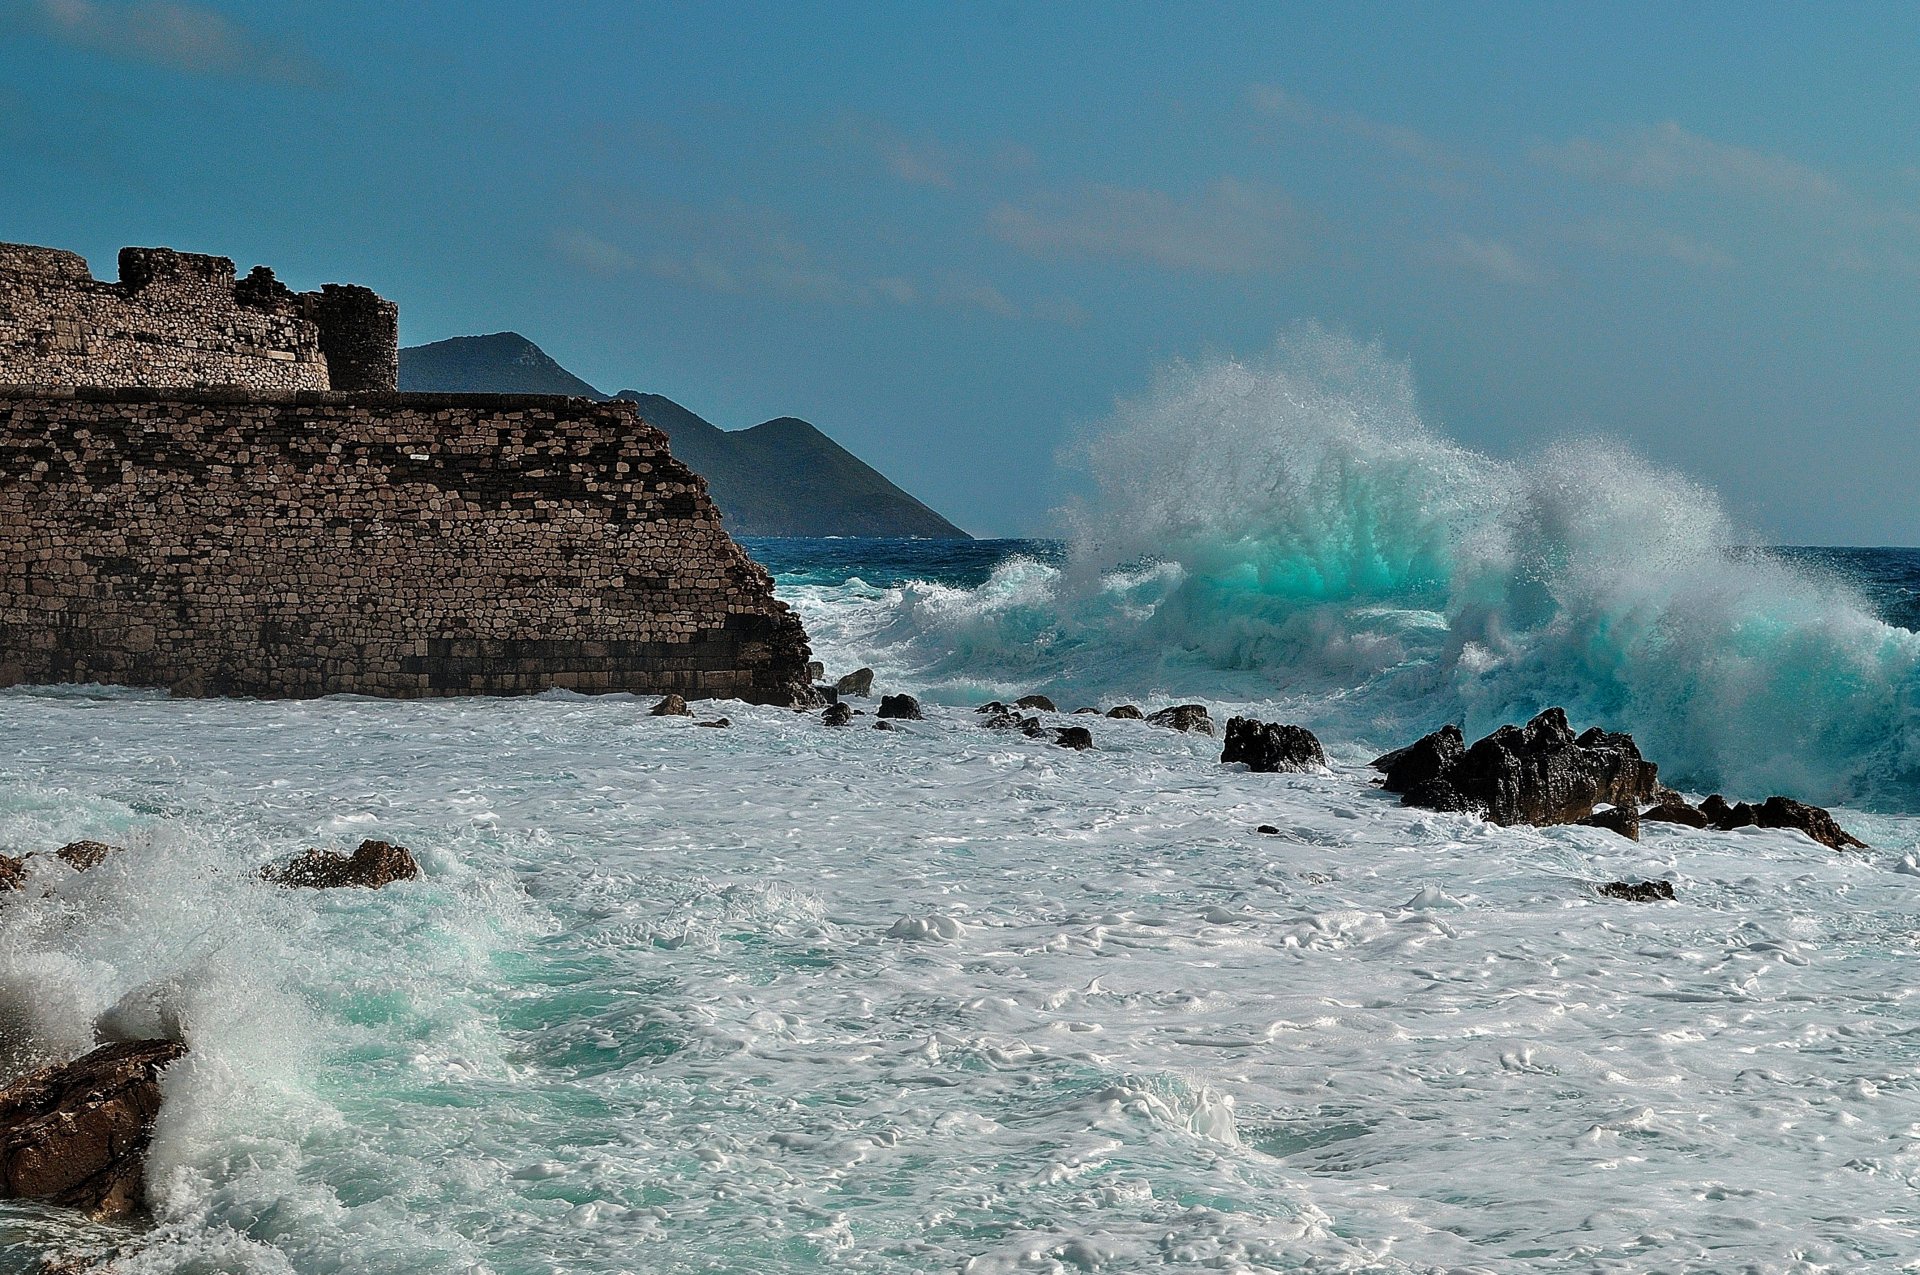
<point x="1648" y="241"/>
<point x="1273" y="101"/>
<point x="1668" y="157"/>
<point x="1497" y="260"/>
<point x="1229" y="228"/>
<point x="185" y="37"/>
<point x="968" y="294"/>
<point x="917" y="164"/>
<point x="590" y="252"/>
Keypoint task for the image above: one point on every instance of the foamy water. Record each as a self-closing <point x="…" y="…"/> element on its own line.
<point x="788" y="998"/>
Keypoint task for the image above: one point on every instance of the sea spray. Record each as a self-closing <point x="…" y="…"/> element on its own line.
<point x="1290" y="529"/>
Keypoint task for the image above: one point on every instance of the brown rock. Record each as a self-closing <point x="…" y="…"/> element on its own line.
<point x="836" y="715"/>
<point x="1674" y="810"/>
<point x="1125" y="713"/>
<point x="1192" y="718"/>
<point x="1039" y="703"/>
<point x="718" y="723"/>
<point x="859" y="682"/>
<point x="81" y="855"/>
<point x="76" y="1134"/>
<point x="904" y="707"/>
<point x="1540" y="773"/>
<point x="1078" y="738"/>
<point x="13" y="873"/>
<point x="671" y="706"/>
<point x="1785" y="812"/>
<point x="374" y="864"/>
<point x="1624" y="820"/>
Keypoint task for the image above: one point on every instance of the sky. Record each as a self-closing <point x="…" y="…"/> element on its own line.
<point x="953" y="235"/>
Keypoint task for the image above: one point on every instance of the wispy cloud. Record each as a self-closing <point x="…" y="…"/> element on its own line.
<point x="182" y="37"/>
<point x="1277" y="103"/>
<point x="1229" y="228"/>
<point x="1496" y="259"/>
<point x="1669" y="157"/>
<point x="917" y="163"/>
<point x="1633" y="240"/>
<point x="590" y="252"/>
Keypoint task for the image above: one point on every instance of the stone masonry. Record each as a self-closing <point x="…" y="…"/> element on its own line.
<point x="178" y="318"/>
<point x="185" y="504"/>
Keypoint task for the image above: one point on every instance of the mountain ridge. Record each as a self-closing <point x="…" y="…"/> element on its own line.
<point x="782" y="477"/>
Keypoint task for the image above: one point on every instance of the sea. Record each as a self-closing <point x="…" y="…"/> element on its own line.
<point x="788" y="998"/>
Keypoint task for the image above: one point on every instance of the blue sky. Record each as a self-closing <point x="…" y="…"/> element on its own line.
<point x="951" y="235"/>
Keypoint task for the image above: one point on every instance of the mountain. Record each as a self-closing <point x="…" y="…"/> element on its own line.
<point x="781" y="478"/>
<point x="504" y="363"/>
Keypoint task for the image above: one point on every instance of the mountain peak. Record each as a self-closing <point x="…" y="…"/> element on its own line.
<point x="498" y="363"/>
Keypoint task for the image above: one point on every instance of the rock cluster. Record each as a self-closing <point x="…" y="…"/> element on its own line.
<point x="372" y="865"/>
<point x="1638" y="891"/>
<point x="1271" y="747"/>
<point x="76" y="1134"/>
<point x="1540" y="773"/>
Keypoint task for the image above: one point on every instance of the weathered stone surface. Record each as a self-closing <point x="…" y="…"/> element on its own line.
<point x="991" y="706"/>
<point x="1038" y="703"/>
<point x="1271" y="747"/>
<point x="1002" y="720"/>
<point x="1078" y="738"/>
<point x="225" y="542"/>
<point x="1785" y="812"/>
<point x="81" y="855"/>
<point x="1716" y="810"/>
<point x="1540" y="773"/>
<point x="1125" y="713"/>
<point x="1638" y="891"/>
<point x="372" y="865"/>
<point x="671" y="706"/>
<point x="837" y="715"/>
<point x="1192" y="718"/>
<point x="76" y="1134"/>
<point x="904" y="707"/>
<point x="859" y="682"/>
<point x="1624" y="820"/>
<point x="13" y="873"/>
<point x="1674" y="810"/>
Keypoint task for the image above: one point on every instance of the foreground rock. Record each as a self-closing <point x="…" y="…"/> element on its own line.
<point x="859" y="682"/>
<point x="1271" y="747"/>
<point x="836" y="715"/>
<point x="1639" y="891"/>
<point x="76" y="1134"/>
<point x="671" y="706"/>
<point x="1624" y="820"/>
<point x="374" y="864"/>
<point x="1191" y="718"/>
<point x="1078" y="738"/>
<point x="1540" y="773"/>
<point x="902" y="707"/>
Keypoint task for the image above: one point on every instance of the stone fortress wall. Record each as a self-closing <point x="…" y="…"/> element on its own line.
<point x="256" y="537"/>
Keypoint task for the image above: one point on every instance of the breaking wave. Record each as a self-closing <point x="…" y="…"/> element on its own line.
<point x="1290" y="529"/>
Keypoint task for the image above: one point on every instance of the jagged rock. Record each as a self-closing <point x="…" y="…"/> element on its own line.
<point x="1638" y="891"/>
<point x="883" y="725"/>
<point x="1624" y="820"/>
<point x="82" y="855"/>
<point x="904" y="707"/>
<point x="1192" y="718"/>
<point x="1125" y="713"/>
<point x="671" y="706"/>
<point x="1716" y="810"/>
<point x="1078" y="738"/>
<point x="718" y="723"/>
<point x="836" y="715"/>
<point x="1674" y="809"/>
<point x="1039" y="702"/>
<point x="374" y="864"/>
<point x="13" y="873"/>
<point x="1271" y="747"/>
<point x="859" y="682"/>
<point x="1785" y="812"/>
<point x="76" y="1134"/>
<point x="1540" y="773"/>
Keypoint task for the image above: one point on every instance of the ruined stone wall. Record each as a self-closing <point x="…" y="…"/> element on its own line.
<point x="181" y="319"/>
<point x="388" y="544"/>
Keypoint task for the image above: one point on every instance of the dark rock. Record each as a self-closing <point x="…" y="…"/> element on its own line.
<point x="1674" y="810"/>
<point x="1785" y="812"/>
<point x="1638" y="891"/>
<point x="859" y="682"/>
<point x="1031" y="727"/>
<point x="991" y="706"/>
<point x="827" y="694"/>
<point x="1716" y="809"/>
<point x="1078" y="738"/>
<point x="1624" y="820"/>
<point x="1184" y="717"/>
<point x="1086" y="712"/>
<point x="904" y="707"/>
<point x="1040" y="702"/>
<point x="1002" y="720"/>
<point x="81" y="855"/>
<point x="13" y="873"/>
<point x="1125" y="713"/>
<point x="1267" y="829"/>
<point x="1539" y="773"/>
<point x="836" y="715"/>
<point x="76" y="1134"/>
<point x="883" y="725"/>
<point x="718" y="723"/>
<point x="374" y="864"/>
<point x="816" y="671"/>
<point x="1271" y="747"/>
<point x="672" y="706"/>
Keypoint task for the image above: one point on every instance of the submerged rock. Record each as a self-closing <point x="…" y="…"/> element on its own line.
<point x="82" y="855"/>
<point x="76" y="1134"/>
<point x="1267" y="830"/>
<point x="836" y="715"/>
<point x="671" y="706"/>
<point x="1624" y="820"/>
<point x="859" y="682"/>
<point x="1271" y="747"/>
<point x="718" y="723"/>
<point x="903" y="707"/>
<point x="1638" y="891"/>
<point x="1540" y="773"/>
<point x="374" y="864"/>
<point x="883" y="725"/>
<point x="1125" y="713"/>
<point x="1039" y="702"/>
<point x="1078" y="738"/>
<point x="1191" y="718"/>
